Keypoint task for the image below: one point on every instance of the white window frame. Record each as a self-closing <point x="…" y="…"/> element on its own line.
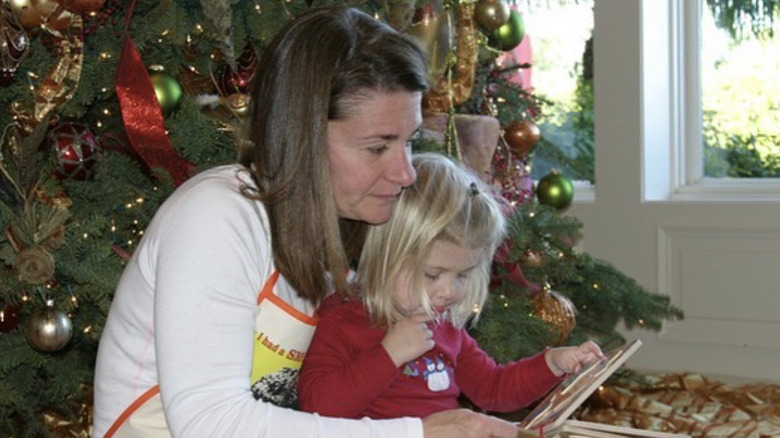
<point x="671" y="107"/>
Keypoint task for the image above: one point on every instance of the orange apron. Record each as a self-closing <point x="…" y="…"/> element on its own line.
<point x="282" y="337"/>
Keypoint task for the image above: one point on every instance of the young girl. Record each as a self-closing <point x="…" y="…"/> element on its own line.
<point x="397" y="345"/>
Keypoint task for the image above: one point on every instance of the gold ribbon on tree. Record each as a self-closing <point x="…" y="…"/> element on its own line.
<point x="60" y="85"/>
<point x="456" y="86"/>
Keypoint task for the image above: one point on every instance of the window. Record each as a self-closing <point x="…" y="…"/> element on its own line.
<point x="560" y="38"/>
<point x="740" y="100"/>
<point x="682" y="160"/>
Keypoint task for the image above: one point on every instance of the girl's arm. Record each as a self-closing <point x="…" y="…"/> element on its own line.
<point x="501" y="388"/>
<point x="340" y="377"/>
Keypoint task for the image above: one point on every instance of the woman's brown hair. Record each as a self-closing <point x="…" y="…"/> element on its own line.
<point x="322" y="62"/>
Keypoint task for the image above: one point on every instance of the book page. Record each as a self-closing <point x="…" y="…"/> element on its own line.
<point x="554" y="409"/>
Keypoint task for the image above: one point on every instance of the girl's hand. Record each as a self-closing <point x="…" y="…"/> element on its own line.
<point x="570" y="360"/>
<point x="408" y="339"/>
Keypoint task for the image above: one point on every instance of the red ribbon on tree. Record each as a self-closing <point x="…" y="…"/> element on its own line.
<point x="141" y="113"/>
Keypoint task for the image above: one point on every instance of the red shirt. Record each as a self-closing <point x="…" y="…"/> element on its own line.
<point x="347" y="372"/>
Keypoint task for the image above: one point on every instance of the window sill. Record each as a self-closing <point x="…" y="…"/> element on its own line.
<point x="752" y="190"/>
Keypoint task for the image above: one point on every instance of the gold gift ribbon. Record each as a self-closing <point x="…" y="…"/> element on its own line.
<point x="690" y="404"/>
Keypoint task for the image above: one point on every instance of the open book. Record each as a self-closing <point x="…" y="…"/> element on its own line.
<point x="550" y="418"/>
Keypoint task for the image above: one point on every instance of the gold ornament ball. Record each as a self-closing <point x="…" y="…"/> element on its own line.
<point x="532" y="259"/>
<point x="167" y="89"/>
<point x="522" y="137"/>
<point x="238" y="103"/>
<point x="557" y="310"/>
<point x="491" y="14"/>
<point x="48" y="329"/>
<point x="36" y="13"/>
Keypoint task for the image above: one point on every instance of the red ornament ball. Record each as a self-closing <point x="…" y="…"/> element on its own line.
<point x="9" y="316"/>
<point x="7" y="76"/>
<point x="239" y="80"/>
<point x="522" y="137"/>
<point x="13" y="44"/>
<point x="76" y="148"/>
<point x="82" y="7"/>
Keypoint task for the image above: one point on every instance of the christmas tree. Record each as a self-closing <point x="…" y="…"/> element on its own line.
<point x="111" y="105"/>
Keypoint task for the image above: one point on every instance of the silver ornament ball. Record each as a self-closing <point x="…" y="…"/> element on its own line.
<point x="48" y="329"/>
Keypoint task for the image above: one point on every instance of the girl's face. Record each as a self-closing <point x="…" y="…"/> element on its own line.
<point x="445" y="272"/>
<point x="369" y="154"/>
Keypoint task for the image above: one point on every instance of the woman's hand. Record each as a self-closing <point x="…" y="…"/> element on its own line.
<point x="463" y="423"/>
<point x="568" y="360"/>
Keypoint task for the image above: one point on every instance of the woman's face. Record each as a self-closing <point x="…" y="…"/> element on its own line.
<point x="369" y="154"/>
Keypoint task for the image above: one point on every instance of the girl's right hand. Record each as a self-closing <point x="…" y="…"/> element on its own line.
<point x="408" y="339"/>
<point x="463" y="423"/>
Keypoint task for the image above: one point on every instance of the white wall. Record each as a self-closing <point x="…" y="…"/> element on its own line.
<point x="719" y="260"/>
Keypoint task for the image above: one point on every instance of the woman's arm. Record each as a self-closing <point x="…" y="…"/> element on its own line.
<point x="212" y="257"/>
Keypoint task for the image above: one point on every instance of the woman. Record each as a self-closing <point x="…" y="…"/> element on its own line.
<point x="214" y="313"/>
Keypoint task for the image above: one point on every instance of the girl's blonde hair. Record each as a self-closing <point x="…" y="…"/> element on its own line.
<point x="447" y="203"/>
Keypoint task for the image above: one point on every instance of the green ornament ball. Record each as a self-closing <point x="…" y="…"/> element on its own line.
<point x="508" y="36"/>
<point x="167" y="89"/>
<point x="555" y="190"/>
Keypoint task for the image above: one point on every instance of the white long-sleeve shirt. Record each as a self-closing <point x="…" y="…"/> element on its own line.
<point x="199" y="315"/>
